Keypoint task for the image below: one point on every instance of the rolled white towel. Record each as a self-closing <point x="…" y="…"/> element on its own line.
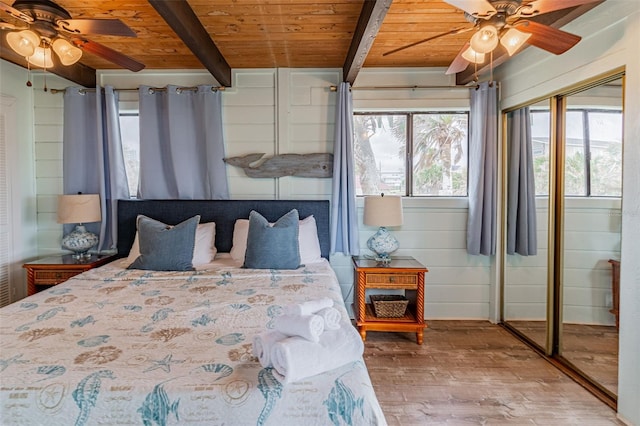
<point x="263" y="343"/>
<point x="309" y="307"/>
<point x="308" y="326"/>
<point x="331" y="317"/>
<point x="295" y="358"/>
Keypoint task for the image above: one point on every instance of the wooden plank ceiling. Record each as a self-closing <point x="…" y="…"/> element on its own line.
<point x="348" y="34"/>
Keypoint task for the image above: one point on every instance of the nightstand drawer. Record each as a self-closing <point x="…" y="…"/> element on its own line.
<point x="391" y="280"/>
<point x="53" y="276"/>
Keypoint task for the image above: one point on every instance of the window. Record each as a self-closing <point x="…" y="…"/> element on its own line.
<point x="432" y="146"/>
<point x="130" y="132"/>
<point x="593" y="155"/>
<point x="593" y="152"/>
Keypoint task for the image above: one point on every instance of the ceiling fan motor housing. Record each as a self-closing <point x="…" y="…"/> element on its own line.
<point x="45" y="14"/>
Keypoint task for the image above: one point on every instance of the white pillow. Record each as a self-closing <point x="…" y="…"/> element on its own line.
<point x="307" y="240"/>
<point x="203" y="252"/>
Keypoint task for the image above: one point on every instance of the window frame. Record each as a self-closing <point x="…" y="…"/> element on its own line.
<point x="409" y="149"/>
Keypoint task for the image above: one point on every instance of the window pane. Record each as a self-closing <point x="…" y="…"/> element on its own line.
<point x="605" y="137"/>
<point x="129" y="129"/>
<point x="440" y="154"/>
<point x="379" y="151"/>
<point x="575" y="161"/>
<point x="540" y="147"/>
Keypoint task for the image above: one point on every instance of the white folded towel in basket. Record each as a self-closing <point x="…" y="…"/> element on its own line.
<point x="309" y="327"/>
<point x="309" y="307"/>
<point x="296" y="358"/>
<point x="263" y="344"/>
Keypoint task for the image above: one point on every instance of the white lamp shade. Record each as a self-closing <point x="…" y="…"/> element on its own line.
<point x="383" y="210"/>
<point x="68" y="53"/>
<point x="24" y="42"/>
<point x="485" y="39"/>
<point x="41" y="57"/>
<point x="513" y="40"/>
<point x="473" y="56"/>
<point x="80" y="208"/>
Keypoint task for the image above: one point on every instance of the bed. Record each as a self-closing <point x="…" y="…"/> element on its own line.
<point x="127" y="346"/>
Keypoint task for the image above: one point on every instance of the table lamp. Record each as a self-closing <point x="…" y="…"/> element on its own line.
<point x="79" y="209"/>
<point x="383" y="211"/>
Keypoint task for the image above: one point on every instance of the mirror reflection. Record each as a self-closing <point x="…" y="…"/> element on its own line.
<point x="526" y="261"/>
<point x="591" y="235"/>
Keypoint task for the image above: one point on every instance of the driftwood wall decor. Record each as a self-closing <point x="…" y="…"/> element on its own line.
<point x="318" y="165"/>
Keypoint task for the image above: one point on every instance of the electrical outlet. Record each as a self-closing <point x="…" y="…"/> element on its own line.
<point x="608" y="300"/>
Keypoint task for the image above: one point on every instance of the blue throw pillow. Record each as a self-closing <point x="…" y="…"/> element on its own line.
<point x="164" y="247"/>
<point x="273" y="247"/>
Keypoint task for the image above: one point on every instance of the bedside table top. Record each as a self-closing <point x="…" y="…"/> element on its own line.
<point x="67" y="259"/>
<point x="397" y="262"/>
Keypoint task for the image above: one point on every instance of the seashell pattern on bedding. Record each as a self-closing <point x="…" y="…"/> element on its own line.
<point x="132" y="347"/>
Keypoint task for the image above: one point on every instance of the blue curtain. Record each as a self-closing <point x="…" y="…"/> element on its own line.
<point x="181" y="144"/>
<point x="521" y="192"/>
<point x="344" y="215"/>
<point x="93" y="162"/>
<point x="483" y="170"/>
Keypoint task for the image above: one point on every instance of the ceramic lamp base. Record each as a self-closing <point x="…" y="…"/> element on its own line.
<point x="383" y="243"/>
<point x="79" y="241"/>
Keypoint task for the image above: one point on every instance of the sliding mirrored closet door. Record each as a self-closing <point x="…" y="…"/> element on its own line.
<point x="591" y="209"/>
<point x="526" y="267"/>
<point x="562" y="168"/>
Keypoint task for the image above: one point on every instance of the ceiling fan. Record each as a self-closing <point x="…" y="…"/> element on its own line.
<point x="505" y="23"/>
<point x="50" y="27"/>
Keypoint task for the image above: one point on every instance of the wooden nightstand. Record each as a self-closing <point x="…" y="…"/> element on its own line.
<point x="402" y="273"/>
<point x="50" y="271"/>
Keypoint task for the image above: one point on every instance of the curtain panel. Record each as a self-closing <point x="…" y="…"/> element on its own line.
<point x="344" y="214"/>
<point x="521" y="192"/>
<point x="93" y="162"/>
<point x="483" y="170"/>
<point x="181" y="144"/>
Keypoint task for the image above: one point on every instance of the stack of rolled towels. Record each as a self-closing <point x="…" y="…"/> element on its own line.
<point x="308" y="339"/>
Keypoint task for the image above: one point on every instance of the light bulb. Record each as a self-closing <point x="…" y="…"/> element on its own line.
<point x="513" y="40"/>
<point x="473" y="56"/>
<point x="41" y="58"/>
<point x="68" y="53"/>
<point x="23" y="42"/>
<point x="485" y="39"/>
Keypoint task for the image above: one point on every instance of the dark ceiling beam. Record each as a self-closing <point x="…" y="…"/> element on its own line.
<point x="184" y="22"/>
<point x="556" y="19"/>
<point x="369" y="22"/>
<point x="77" y="73"/>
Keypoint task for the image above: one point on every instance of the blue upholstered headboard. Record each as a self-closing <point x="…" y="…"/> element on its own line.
<point x="223" y="212"/>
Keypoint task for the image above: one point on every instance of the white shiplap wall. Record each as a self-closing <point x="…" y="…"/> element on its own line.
<point x="279" y="111"/>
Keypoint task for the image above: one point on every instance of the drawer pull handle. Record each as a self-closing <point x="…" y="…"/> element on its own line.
<point x="392" y="279"/>
<point x="58" y="275"/>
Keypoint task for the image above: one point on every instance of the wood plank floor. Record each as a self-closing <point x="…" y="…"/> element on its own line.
<point x="474" y="373"/>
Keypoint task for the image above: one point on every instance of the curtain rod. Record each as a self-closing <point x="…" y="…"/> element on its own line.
<point x="335" y="88"/>
<point x="151" y="89"/>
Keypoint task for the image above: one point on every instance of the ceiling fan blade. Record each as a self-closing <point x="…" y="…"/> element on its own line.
<point x="476" y="8"/>
<point x="113" y="27"/>
<point x="108" y="54"/>
<point x="7" y="26"/>
<point x="455" y="31"/>
<point x="15" y="13"/>
<point x="538" y="7"/>
<point x="459" y="63"/>
<point x="548" y="38"/>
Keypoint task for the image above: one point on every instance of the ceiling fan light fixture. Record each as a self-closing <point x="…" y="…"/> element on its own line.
<point x="68" y="53"/>
<point x="513" y="40"/>
<point x="24" y="42"/>
<point x="485" y="39"/>
<point x="472" y="56"/>
<point x="41" y="58"/>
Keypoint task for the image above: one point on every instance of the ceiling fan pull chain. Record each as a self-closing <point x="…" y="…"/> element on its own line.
<point x="29" y="74"/>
